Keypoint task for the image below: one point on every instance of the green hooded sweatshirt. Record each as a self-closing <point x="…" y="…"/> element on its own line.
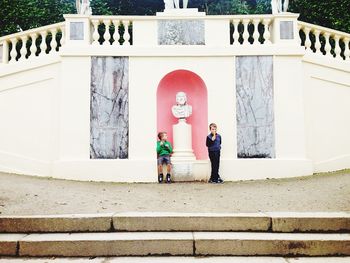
<point x="164" y="149"/>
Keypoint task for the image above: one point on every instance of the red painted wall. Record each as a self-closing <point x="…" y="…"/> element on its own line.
<point x="197" y="97"/>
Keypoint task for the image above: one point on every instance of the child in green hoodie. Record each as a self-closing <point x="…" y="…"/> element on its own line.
<point x="164" y="149"/>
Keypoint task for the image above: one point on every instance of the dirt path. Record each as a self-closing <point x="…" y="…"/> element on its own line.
<point x="22" y="195"/>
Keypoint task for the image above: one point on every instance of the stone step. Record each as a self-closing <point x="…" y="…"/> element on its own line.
<point x="276" y="222"/>
<point x="175" y="244"/>
<point x="181" y="259"/>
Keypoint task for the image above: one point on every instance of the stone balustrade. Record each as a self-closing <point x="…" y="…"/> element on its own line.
<point x="230" y="31"/>
<point x="111" y="30"/>
<point x="32" y="43"/>
<point x="324" y="41"/>
<point x="250" y="30"/>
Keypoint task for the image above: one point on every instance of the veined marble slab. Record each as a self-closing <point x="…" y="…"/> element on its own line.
<point x="109" y="108"/>
<point x="286" y="30"/>
<point x="76" y="31"/>
<point x="181" y="32"/>
<point x="255" y="113"/>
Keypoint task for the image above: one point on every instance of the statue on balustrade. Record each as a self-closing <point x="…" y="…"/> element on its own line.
<point x="279" y="6"/>
<point x="83" y="7"/>
<point x="171" y="4"/>
<point x="181" y="110"/>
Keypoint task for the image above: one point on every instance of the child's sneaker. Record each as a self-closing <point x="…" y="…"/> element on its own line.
<point x="220" y="181"/>
<point x="160" y="178"/>
<point x="168" y="180"/>
<point x="211" y="181"/>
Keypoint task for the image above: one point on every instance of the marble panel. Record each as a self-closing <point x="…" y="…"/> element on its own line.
<point x="286" y="30"/>
<point x="181" y="32"/>
<point x="255" y="113"/>
<point x="76" y="31"/>
<point x="109" y="108"/>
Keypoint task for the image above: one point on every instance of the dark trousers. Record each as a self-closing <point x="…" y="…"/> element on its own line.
<point x="215" y="163"/>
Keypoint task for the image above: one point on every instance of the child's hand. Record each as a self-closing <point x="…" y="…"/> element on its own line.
<point x="166" y="145"/>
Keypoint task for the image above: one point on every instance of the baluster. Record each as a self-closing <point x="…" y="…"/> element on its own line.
<point x="300" y="28"/>
<point x="116" y="35"/>
<point x="53" y="42"/>
<point x="347" y="49"/>
<point x="23" y="50"/>
<point x="43" y="45"/>
<point x="327" y="46"/>
<point x="235" y="34"/>
<point x="256" y="34"/>
<point x="267" y="34"/>
<point x="33" y="47"/>
<point x="337" y="48"/>
<point x="63" y="38"/>
<point x="126" y="35"/>
<point x="13" y="52"/>
<point x="5" y="52"/>
<point x="307" y="39"/>
<point x="245" y="32"/>
<point x="95" y="35"/>
<point x="317" y="41"/>
<point x="106" y="35"/>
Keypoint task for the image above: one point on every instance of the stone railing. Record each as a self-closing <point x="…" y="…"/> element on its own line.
<point x="147" y="31"/>
<point x="246" y="30"/>
<point x="32" y="43"/>
<point x="324" y="41"/>
<point x="111" y="30"/>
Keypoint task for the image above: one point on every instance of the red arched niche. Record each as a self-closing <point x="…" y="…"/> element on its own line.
<point x="197" y="97"/>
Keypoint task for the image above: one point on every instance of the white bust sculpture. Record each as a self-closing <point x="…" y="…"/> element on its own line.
<point x="83" y="8"/>
<point x="278" y="6"/>
<point x="181" y="110"/>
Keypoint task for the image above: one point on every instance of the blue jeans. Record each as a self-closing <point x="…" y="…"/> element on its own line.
<point x="164" y="159"/>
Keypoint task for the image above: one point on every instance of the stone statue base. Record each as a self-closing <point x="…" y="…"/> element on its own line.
<point x="181" y="12"/>
<point x="182" y="136"/>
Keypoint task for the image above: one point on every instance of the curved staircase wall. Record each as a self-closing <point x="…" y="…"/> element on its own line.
<point x="45" y="94"/>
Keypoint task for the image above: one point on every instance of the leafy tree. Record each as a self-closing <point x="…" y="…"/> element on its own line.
<point x="100" y="7"/>
<point x="331" y="13"/>
<point x="17" y="15"/>
<point x="226" y="7"/>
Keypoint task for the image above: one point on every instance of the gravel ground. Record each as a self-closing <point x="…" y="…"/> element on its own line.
<point x="24" y="195"/>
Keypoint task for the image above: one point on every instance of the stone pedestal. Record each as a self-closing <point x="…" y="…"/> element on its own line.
<point x="181" y="12"/>
<point x="175" y="31"/>
<point x="182" y="134"/>
<point x="185" y="165"/>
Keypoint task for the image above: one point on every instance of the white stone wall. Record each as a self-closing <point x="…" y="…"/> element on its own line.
<point x="45" y="116"/>
<point x="29" y="119"/>
<point x="327" y="114"/>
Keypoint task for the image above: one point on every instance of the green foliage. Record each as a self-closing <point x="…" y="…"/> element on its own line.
<point x="100" y="7"/>
<point x="262" y="7"/>
<point x="17" y="15"/>
<point x="331" y="13"/>
<point x="226" y="7"/>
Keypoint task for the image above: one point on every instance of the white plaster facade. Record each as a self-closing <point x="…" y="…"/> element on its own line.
<point x="45" y="109"/>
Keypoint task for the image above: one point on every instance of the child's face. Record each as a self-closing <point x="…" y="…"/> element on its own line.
<point x="213" y="129"/>
<point x="164" y="137"/>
